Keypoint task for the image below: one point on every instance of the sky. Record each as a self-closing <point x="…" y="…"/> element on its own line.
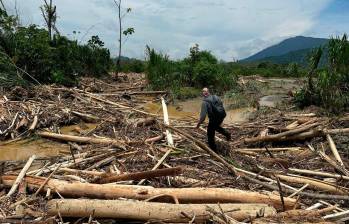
<point x="230" y="29"/>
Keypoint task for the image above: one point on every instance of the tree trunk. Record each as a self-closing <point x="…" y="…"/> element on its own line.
<point x="184" y="195"/>
<point x="72" y="138"/>
<point x="138" y="210"/>
<point x="118" y="65"/>
<point x="108" y="178"/>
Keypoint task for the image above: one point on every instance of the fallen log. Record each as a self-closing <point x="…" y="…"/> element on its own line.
<point x="154" y="139"/>
<point x="146" y="211"/>
<point x="334" y="150"/>
<point x="280" y="136"/>
<point x="107" y="178"/>
<point x="269" y="149"/>
<point x="184" y="195"/>
<point x="315" y="184"/>
<point x="318" y="173"/>
<point x="72" y="138"/>
<point x="21" y="175"/>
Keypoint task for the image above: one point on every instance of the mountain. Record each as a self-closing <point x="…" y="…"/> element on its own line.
<point x="295" y="47"/>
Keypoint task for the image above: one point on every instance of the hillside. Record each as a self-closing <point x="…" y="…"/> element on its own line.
<point x="293" y="48"/>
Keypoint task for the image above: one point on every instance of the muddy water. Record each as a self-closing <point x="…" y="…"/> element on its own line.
<point x="190" y="109"/>
<point x="271" y="100"/>
<point x="23" y="149"/>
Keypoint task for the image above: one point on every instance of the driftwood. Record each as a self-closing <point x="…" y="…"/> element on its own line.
<point x="230" y="167"/>
<point x="141" y="175"/>
<point x="144" y="211"/>
<point x="21" y="175"/>
<point x="281" y="136"/>
<point x="314" y="184"/>
<point x="334" y="150"/>
<point x="168" y="137"/>
<point x="269" y="149"/>
<point x="318" y="173"/>
<point x="154" y="139"/>
<point x="329" y="160"/>
<point x="72" y="138"/>
<point x="86" y="117"/>
<point x="184" y="195"/>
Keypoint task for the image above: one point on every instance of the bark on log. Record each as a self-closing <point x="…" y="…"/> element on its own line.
<point x="141" y="175"/>
<point x="184" y="195"/>
<point x="145" y="211"/>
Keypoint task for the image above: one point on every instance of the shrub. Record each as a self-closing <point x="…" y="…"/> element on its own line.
<point x="28" y="54"/>
<point x="329" y="89"/>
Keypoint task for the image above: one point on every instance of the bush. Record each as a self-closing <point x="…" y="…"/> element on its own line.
<point x="28" y="54"/>
<point x="330" y="87"/>
<point x="132" y="65"/>
<point x="200" y="69"/>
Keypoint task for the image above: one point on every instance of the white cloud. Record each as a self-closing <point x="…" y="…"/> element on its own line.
<point x="230" y="29"/>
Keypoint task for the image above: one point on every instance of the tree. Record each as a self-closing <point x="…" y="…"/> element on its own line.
<point x="126" y="32"/>
<point x="50" y="15"/>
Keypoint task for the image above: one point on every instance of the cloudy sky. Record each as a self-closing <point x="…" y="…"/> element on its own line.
<point x="231" y="29"/>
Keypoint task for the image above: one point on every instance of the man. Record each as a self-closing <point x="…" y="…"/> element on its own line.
<point x="213" y="107"/>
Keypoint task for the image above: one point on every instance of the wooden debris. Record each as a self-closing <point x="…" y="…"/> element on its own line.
<point x="137" y="210"/>
<point x="184" y="195"/>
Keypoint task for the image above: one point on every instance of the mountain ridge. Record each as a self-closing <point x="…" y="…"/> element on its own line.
<point x="294" y="44"/>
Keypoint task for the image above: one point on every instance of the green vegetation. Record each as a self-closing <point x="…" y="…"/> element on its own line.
<point x="202" y="69"/>
<point x="329" y="86"/>
<point x="28" y="55"/>
<point x="199" y="69"/>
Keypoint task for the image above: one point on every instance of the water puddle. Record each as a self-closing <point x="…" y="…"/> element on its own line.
<point x="23" y="149"/>
<point x="78" y="129"/>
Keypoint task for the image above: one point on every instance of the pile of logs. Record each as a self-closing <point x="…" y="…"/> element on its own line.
<point x="162" y="171"/>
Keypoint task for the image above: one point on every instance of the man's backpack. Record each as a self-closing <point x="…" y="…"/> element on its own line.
<point x="218" y="111"/>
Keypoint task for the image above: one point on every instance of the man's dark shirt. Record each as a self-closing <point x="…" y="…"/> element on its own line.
<point x="206" y="108"/>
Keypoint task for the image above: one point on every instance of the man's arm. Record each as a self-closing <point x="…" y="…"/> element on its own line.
<point x="203" y="114"/>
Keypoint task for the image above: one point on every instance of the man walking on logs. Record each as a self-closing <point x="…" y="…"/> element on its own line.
<point x="213" y="107"/>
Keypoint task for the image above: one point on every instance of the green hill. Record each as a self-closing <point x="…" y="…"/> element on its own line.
<point x="290" y="50"/>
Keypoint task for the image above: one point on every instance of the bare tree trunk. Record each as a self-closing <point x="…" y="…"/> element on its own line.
<point x="49" y="25"/>
<point x="120" y="36"/>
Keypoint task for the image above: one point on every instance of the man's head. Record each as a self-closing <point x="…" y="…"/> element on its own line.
<point x="205" y="92"/>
